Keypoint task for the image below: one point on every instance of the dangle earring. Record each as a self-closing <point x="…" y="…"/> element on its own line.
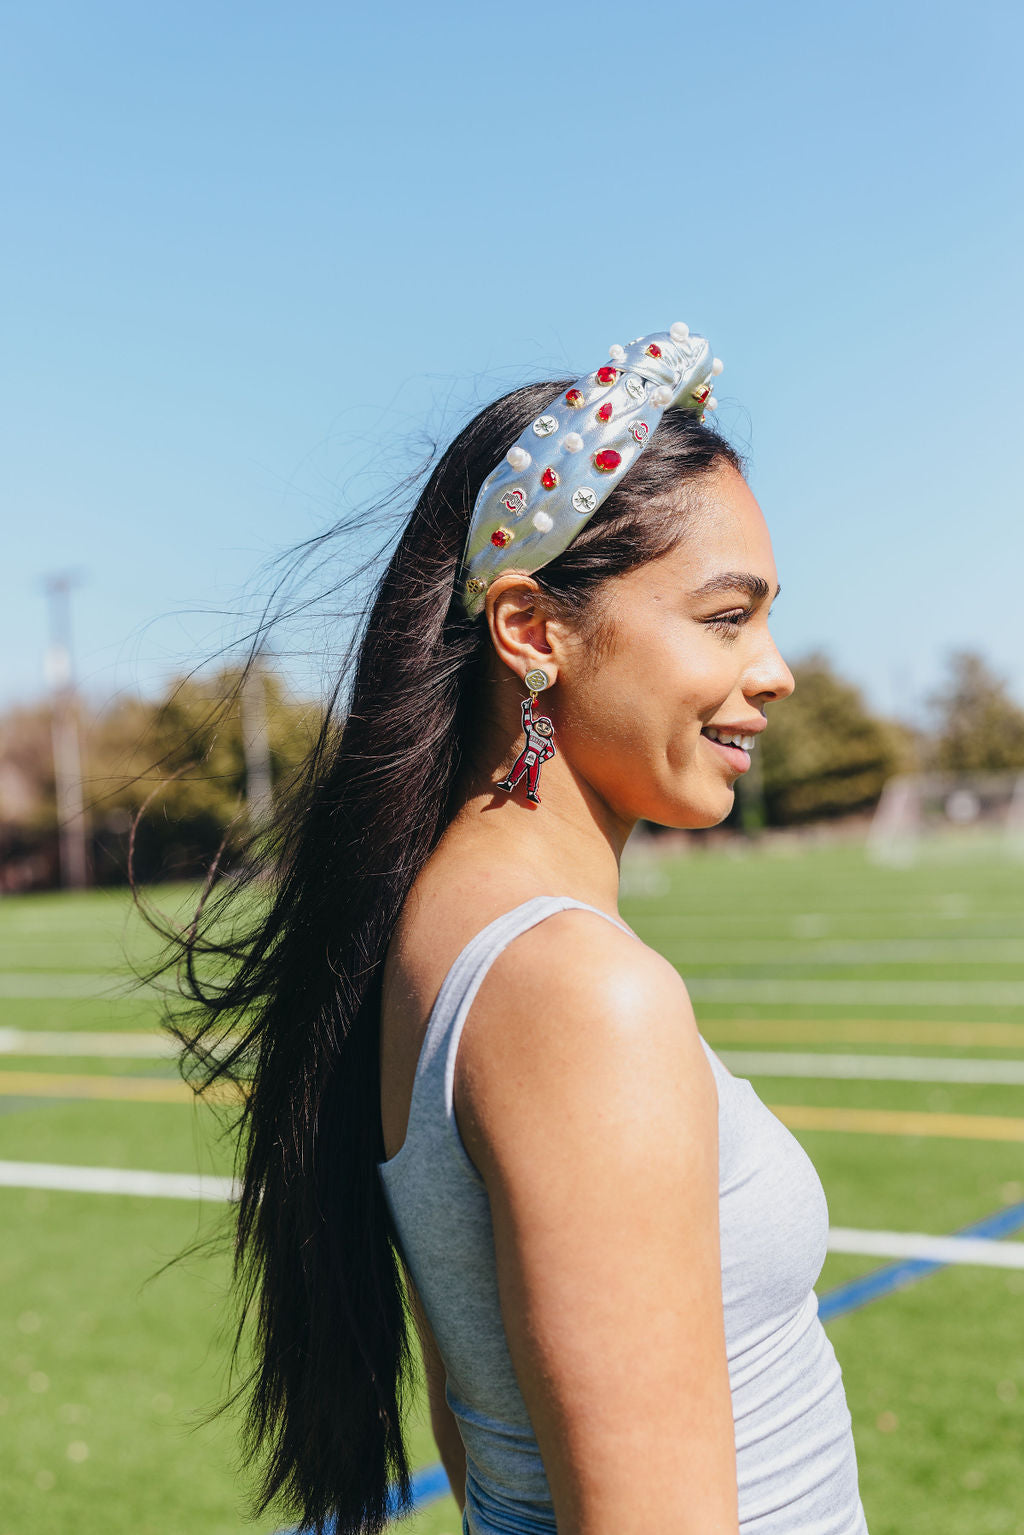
<point x="540" y="739"/>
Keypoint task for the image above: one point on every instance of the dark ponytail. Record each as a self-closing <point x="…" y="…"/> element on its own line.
<point x="295" y="940"/>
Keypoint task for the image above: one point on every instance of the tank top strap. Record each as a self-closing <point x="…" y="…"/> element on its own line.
<point x="434" y="1081"/>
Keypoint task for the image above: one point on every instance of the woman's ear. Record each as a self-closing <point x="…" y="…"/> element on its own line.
<point x="523" y="633"/>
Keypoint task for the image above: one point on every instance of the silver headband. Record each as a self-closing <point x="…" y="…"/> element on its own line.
<point x="553" y="479"/>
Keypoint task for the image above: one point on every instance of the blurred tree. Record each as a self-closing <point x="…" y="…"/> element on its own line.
<point x="979" y="727"/>
<point x="28" y="801"/>
<point x="824" y="753"/>
<point x="185" y="756"/>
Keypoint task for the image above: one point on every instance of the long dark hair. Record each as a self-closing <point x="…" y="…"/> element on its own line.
<point x="281" y="970"/>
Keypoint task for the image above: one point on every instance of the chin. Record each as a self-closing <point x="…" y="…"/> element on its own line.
<point x="695" y="816"/>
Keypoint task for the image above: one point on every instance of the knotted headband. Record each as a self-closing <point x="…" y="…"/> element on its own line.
<point x="554" y="478"/>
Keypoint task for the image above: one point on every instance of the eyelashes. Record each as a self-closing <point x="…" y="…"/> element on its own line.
<point x="730" y="623"/>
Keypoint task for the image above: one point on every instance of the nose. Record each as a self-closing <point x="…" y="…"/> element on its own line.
<point x="768" y="677"/>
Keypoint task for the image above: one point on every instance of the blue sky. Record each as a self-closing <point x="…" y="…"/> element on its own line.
<point x="256" y="252"/>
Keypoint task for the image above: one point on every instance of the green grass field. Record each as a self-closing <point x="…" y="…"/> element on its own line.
<point x="110" y="1359"/>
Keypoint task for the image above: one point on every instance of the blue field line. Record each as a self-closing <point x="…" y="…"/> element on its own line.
<point x="428" y="1484"/>
<point x="907" y="1271"/>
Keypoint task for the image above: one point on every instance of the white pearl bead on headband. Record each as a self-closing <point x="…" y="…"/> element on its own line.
<point x="531" y="507"/>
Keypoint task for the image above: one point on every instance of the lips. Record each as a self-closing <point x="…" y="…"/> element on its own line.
<point x="737" y="759"/>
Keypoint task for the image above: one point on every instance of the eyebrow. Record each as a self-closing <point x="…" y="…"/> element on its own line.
<point x="737" y="581"/>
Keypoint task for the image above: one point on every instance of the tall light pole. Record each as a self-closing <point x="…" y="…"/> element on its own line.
<point x="259" y="790"/>
<point x="67" y="756"/>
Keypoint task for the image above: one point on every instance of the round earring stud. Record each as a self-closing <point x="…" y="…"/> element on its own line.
<point x="537" y="680"/>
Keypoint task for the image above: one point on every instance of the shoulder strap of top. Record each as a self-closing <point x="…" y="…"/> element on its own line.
<point x="433" y="1085"/>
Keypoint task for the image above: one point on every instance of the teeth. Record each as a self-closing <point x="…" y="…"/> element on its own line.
<point x="730" y="738"/>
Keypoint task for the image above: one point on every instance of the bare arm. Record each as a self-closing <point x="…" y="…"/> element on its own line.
<point x="442" y="1419"/>
<point x="591" y="1110"/>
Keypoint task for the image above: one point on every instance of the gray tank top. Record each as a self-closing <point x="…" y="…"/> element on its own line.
<point x="795" y="1456"/>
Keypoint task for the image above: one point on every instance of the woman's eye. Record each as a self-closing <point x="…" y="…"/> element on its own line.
<point x="728" y="623"/>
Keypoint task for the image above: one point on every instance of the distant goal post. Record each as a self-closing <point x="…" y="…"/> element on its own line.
<point x="919" y="808"/>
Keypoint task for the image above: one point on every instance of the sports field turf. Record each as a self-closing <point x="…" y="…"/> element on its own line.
<point x="109" y="1359"/>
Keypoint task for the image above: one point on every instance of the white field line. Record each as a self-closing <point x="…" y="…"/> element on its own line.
<point x="842" y="1239"/>
<point x="133" y="1045"/>
<point x="55" y="986"/>
<point x="812" y="991"/>
<point x="113" y="1180"/>
<point x="704" y="988"/>
<point x="754" y="1063"/>
<point x="877" y="1068"/>
<point x="812" y="949"/>
<point x="913" y="1244"/>
<point x="852" y="951"/>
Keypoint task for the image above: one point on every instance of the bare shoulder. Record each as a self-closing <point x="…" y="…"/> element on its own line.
<point x="574" y="1016"/>
<point x="589" y="1105"/>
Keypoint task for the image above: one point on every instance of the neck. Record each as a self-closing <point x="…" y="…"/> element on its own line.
<point x="569" y="844"/>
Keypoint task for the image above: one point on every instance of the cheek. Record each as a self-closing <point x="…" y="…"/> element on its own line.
<point x="687" y="683"/>
<point x="649" y="700"/>
<point x="605" y="715"/>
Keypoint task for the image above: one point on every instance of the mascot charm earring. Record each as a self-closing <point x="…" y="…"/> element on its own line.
<point x="540" y="743"/>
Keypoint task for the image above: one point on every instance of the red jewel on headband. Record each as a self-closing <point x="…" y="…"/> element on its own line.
<point x="607" y="375"/>
<point x="574" y="398"/>
<point x="500" y="537"/>
<point x="654" y="350"/>
<point x="549" y="479"/>
<point x="604" y="412"/>
<point x="702" y="393"/>
<point x="607" y="460"/>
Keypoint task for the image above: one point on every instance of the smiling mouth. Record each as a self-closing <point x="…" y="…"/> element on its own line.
<point x="729" y="737"/>
<point x="736" y="755"/>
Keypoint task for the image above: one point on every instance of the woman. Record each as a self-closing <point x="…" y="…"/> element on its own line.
<point x="473" y="1088"/>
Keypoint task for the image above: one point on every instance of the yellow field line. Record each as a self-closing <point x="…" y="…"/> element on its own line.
<point x="968" y="1127"/>
<point x="46" y="1084"/>
<point x="862" y="1031"/>
<point x="798" y="1116"/>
